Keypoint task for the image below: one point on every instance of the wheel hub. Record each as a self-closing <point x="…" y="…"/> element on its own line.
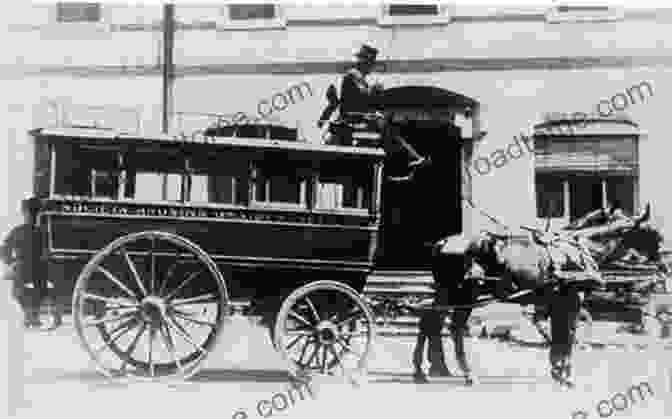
<point x="153" y="309"/>
<point x="327" y="333"/>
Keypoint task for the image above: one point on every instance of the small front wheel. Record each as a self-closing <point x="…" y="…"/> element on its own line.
<point x="325" y="328"/>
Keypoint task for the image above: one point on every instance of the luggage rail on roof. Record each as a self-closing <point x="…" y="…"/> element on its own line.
<point x="98" y="117"/>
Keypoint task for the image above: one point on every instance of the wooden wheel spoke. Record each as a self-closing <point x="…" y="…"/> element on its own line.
<point x="324" y="359"/>
<point x="315" y="353"/>
<point x="152" y="266"/>
<point x="150" y="350"/>
<point x="119" y="301"/>
<point x="170" y="345"/>
<point x="350" y="312"/>
<point x="338" y="358"/>
<point x="117" y="282"/>
<point x="350" y="318"/>
<point x="128" y="325"/>
<point x="110" y="319"/>
<point x="205" y="298"/>
<point x="168" y="275"/>
<point x="300" y="318"/>
<point x="187" y="280"/>
<point x="294" y="341"/>
<point x="132" y="346"/>
<point x="303" y="351"/>
<point x="170" y="321"/>
<point x="299" y="332"/>
<point x="312" y="309"/>
<point x="347" y="346"/>
<point x="134" y="271"/>
<point x="187" y="317"/>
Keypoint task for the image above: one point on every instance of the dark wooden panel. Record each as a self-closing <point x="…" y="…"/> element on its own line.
<point x="241" y="240"/>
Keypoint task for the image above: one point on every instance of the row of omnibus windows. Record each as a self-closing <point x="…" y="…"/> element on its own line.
<point x="221" y="178"/>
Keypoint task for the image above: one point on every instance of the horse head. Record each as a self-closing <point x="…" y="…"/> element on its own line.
<point x="614" y="237"/>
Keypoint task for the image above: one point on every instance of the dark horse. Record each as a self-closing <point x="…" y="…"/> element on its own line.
<point x="528" y="270"/>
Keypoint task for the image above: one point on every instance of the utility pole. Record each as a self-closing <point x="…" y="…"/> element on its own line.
<point x="168" y="64"/>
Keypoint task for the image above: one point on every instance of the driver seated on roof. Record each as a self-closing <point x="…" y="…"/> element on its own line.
<point x="356" y="106"/>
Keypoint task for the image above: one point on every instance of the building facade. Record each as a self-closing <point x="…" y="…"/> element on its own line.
<point x="607" y="68"/>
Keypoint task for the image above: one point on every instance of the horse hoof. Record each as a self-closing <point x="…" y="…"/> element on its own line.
<point x="565" y="384"/>
<point x="442" y="372"/>
<point x="470" y="380"/>
<point x="420" y="378"/>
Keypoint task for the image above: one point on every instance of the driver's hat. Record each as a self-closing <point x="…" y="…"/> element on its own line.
<point x="367" y="53"/>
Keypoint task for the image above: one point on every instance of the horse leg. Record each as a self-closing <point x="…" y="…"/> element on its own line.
<point x="437" y="357"/>
<point x="418" y="375"/>
<point x="458" y="324"/>
<point x="564" y="313"/>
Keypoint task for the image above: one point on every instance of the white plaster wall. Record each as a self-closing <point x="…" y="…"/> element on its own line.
<point x="512" y="100"/>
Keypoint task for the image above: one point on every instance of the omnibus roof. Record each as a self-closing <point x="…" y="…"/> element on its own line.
<point x="111" y="137"/>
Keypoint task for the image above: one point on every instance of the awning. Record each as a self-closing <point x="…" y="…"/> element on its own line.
<point x="617" y="155"/>
<point x="591" y="145"/>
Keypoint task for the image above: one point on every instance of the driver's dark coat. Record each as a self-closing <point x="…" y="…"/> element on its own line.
<point x="356" y="93"/>
<point x="23" y="245"/>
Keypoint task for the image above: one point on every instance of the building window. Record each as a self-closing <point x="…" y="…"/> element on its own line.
<point x="251" y="11"/>
<point x="550" y="197"/>
<point x="413" y="10"/>
<point x="78" y="12"/>
<point x="414" y="14"/>
<point x="252" y="16"/>
<point x="572" y="195"/>
<point x="584" y="13"/>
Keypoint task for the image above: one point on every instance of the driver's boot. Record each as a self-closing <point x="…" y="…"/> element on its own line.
<point x="412" y="166"/>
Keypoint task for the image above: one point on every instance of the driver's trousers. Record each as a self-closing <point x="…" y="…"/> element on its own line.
<point x="26" y="273"/>
<point x="430" y="327"/>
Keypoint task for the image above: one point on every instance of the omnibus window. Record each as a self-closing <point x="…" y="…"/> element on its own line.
<point x="218" y="179"/>
<point x="104" y="183"/>
<point x="280" y="184"/>
<point x="86" y="172"/>
<point x="157" y="177"/>
<point x="336" y="190"/>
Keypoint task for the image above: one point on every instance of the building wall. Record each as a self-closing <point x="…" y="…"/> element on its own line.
<point x="513" y="62"/>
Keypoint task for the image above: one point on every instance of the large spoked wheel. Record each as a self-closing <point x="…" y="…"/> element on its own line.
<point x="149" y="306"/>
<point x="325" y="328"/>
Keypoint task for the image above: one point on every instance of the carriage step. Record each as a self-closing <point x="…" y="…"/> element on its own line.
<point x="398" y="291"/>
<point x="392" y="281"/>
<point x="401" y="275"/>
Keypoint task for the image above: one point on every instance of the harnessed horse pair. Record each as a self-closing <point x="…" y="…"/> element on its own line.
<point x="548" y="269"/>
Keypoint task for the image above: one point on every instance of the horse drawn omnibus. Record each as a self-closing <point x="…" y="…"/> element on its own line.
<point x="155" y="237"/>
